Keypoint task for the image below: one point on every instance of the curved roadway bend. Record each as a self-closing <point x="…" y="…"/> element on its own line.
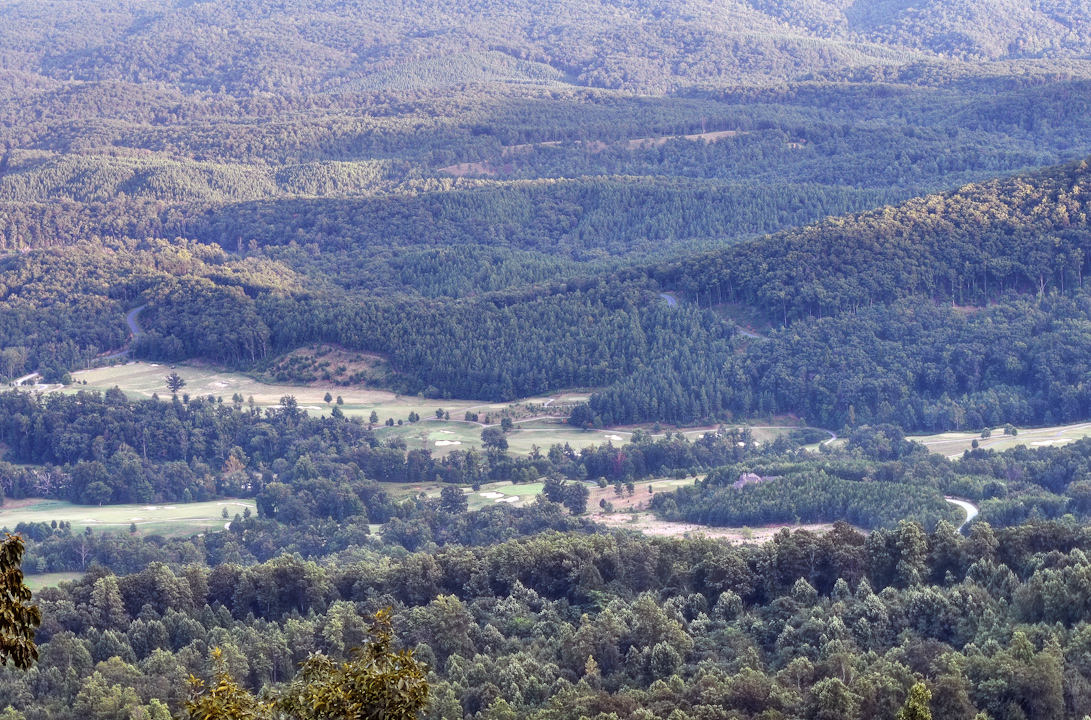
<point x="971" y="510"/>
<point x="133" y="328"/>
<point x="131" y="319"/>
<point x="671" y="301"/>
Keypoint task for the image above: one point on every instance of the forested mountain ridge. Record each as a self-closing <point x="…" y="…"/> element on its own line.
<point x="500" y="199"/>
<point x="1022" y="238"/>
<point x="885" y="279"/>
<point x="310" y="46"/>
<point x="968" y="246"/>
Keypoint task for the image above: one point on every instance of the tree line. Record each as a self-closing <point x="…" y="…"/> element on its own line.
<point x="811" y="626"/>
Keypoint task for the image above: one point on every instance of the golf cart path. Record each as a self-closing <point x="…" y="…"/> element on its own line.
<point x="971" y="510"/>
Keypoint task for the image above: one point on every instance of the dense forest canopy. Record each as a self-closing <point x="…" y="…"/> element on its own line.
<point x="851" y="221"/>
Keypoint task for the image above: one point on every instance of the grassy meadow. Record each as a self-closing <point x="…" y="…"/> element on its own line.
<point x="953" y="444"/>
<point x="39" y="582"/>
<point x="142" y="379"/>
<point x="180" y="520"/>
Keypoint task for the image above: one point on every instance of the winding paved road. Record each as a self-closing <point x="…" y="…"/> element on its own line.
<point x="971" y="510"/>
<point x="131" y="319"/>
<point x="133" y="328"/>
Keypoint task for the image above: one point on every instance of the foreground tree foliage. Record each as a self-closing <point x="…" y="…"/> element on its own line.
<point x="808" y="625"/>
<point x="222" y="697"/>
<point x="18" y="619"/>
<point x="377" y="684"/>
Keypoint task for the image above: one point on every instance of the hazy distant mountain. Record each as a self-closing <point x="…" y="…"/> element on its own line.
<point x="244" y="47"/>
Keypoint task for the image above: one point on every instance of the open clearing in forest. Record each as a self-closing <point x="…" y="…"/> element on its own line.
<point x="441" y="437"/>
<point x="178" y="519"/>
<point x="649" y="524"/>
<point x="538" y="421"/>
<point x="142" y="379"/>
<point x="38" y="582"/>
<point x="953" y="444"/>
<point x="489" y="494"/>
<point x="525" y="493"/>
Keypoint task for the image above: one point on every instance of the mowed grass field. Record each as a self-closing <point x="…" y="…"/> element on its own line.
<point x="525" y="493"/>
<point x="37" y="582"/>
<point x="953" y="444"/>
<point x="143" y="379"/>
<point x="442" y="437"/>
<point x="490" y="494"/>
<point x="179" y="520"/>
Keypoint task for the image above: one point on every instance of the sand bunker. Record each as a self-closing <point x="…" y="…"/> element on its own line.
<point x="508" y="499"/>
<point x="613" y="437"/>
<point x="491" y="495"/>
<point x="444" y="443"/>
<point x="1047" y="443"/>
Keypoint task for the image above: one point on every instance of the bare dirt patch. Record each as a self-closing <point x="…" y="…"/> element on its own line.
<point x="649" y="524"/>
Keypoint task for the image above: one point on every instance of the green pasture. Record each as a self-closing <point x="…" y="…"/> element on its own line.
<point x="438" y="436"/>
<point x="181" y="519"/>
<point x="443" y="436"/>
<point x="518" y="495"/>
<point x="490" y="494"/>
<point x="953" y="444"/>
<point x="142" y="379"/>
<point x="39" y="582"/>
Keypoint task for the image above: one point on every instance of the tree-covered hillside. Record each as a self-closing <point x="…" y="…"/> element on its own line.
<point x="244" y="48"/>
<point x="854" y="219"/>
<point x="958" y="310"/>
